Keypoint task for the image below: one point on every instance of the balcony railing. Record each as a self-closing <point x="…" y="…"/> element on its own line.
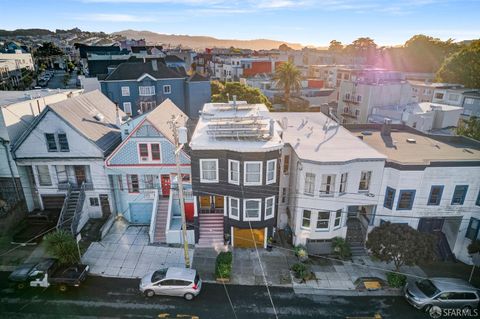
<point x="350" y="100"/>
<point x="351" y="115"/>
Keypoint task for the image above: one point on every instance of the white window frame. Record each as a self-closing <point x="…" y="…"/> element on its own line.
<point x="331" y="185"/>
<point x="344" y="183"/>
<point x="369" y="173"/>
<point x="230" y="180"/>
<point x="167" y="89"/>
<point x="305" y="184"/>
<point x="272" y="198"/>
<point x="328" y="220"/>
<point x="274" y="180"/>
<point x="125" y="91"/>
<point x="245" y="173"/>
<point x="309" y="219"/>
<point x="469" y="101"/>
<point x="230" y="199"/>
<point x="39" y="183"/>
<point x="259" y="201"/>
<point x="202" y="180"/>
<point x="149" y="150"/>
<point x="146" y="90"/>
<point x="127" y="108"/>
<point x="339" y="218"/>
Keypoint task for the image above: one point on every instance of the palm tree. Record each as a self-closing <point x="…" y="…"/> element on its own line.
<point x="288" y="77"/>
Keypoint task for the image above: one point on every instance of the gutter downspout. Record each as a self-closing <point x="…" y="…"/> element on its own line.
<point x="4" y="144"/>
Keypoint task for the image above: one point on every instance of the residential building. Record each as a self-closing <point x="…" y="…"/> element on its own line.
<point x="143" y="175"/>
<point x="471" y="104"/>
<point x="60" y="158"/>
<point x="329" y="182"/>
<point x="429" y="182"/>
<point x="17" y="110"/>
<point x="422" y="91"/>
<point x="425" y="117"/>
<point x="359" y="96"/>
<point x="235" y="157"/>
<point x="129" y="43"/>
<point x="451" y="96"/>
<point x="11" y="66"/>
<point x="138" y="87"/>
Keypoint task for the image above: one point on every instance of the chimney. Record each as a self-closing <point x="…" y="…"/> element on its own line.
<point x="154" y="65"/>
<point x="270" y="132"/>
<point x="386" y="127"/>
<point x="118" y="120"/>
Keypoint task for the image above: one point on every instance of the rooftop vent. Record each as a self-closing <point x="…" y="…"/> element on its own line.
<point x="411" y="140"/>
<point x="366" y="133"/>
<point x="99" y="117"/>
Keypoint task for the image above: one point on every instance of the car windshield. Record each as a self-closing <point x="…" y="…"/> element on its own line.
<point x="427" y="287"/>
<point x="159" y="274"/>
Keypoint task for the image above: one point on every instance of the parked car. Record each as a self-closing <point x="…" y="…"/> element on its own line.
<point x="442" y="292"/>
<point x="49" y="272"/>
<point x="173" y="281"/>
<point x="34" y="227"/>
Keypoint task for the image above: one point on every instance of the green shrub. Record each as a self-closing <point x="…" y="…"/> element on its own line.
<point x="341" y="248"/>
<point x="300" y="270"/>
<point x="301" y="253"/>
<point x="396" y="280"/>
<point x="223" y="265"/>
<point x="62" y="245"/>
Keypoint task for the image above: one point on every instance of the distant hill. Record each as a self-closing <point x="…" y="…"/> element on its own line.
<point x="202" y="42"/>
<point x="25" y="32"/>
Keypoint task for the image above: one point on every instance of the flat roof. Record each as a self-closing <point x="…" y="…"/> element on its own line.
<point x="316" y="137"/>
<point x="408" y="146"/>
<point x="436" y="85"/>
<point x="219" y="116"/>
<point x="12" y="97"/>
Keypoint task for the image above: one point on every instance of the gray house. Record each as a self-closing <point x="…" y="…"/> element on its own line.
<point x="471" y="104"/>
<point x="138" y="87"/>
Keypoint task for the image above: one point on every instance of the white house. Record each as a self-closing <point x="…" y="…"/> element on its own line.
<point x="61" y="158"/>
<point x="329" y="180"/>
<point x="430" y="182"/>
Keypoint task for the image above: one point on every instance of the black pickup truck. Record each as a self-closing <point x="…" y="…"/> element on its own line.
<point x="49" y="272"/>
<point x="34" y="227"/>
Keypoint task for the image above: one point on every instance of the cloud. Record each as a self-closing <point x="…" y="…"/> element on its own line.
<point x="113" y="17"/>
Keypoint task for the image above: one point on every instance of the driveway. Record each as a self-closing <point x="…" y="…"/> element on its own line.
<point x="125" y="253"/>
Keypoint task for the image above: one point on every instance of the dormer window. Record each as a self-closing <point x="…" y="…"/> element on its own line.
<point x="149" y="152"/>
<point x="63" y="142"/>
<point x="51" y="143"/>
<point x="58" y="143"/>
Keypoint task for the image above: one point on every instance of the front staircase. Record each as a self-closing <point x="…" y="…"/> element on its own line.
<point x="72" y="209"/>
<point x="356" y="237"/>
<point x="443" y="250"/>
<point x="161" y="221"/>
<point x="211" y="230"/>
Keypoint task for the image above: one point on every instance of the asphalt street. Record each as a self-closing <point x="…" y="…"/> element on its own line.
<point x="120" y="298"/>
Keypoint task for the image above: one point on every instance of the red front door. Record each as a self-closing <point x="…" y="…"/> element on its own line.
<point x="166" y="185"/>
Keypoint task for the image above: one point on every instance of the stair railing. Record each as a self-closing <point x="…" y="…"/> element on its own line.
<point x="78" y="210"/>
<point x="64" y="208"/>
<point x="153" y="220"/>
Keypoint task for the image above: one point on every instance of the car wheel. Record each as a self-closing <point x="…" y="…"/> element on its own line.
<point x="149" y="293"/>
<point x="21" y="285"/>
<point x="62" y="288"/>
<point x="189" y="296"/>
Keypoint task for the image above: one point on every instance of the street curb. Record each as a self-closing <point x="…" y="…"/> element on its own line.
<point x="340" y="292"/>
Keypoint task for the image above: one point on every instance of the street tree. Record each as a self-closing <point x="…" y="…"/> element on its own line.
<point x="288" y="78"/>
<point x="335" y="46"/>
<point x="470" y="128"/>
<point x="62" y="246"/>
<point x="400" y="244"/>
<point x="462" y="67"/>
<point x="242" y="91"/>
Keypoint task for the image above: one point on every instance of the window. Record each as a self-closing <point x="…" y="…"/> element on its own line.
<point x="43" y="175"/>
<point x="149" y="181"/>
<point x="143" y="151"/>
<point x="94" y="201"/>
<point x="343" y="183"/>
<point x="284" y="194"/>
<point x="209" y="170"/>
<point x="269" y="207"/>
<point x="167" y="89"/>
<point x="127" y="108"/>
<point x="253" y="173"/>
<point x="234" y="172"/>
<point x="322" y="220"/>
<point x="146" y="106"/>
<point x="357" y="113"/>
<point x="149" y="152"/>
<point x="286" y="164"/>
<point x="307" y="214"/>
<point x="477" y="202"/>
<point x="51" y="143"/>
<point x="234" y="208"/>
<point x="453" y="97"/>
<point x="125" y="91"/>
<point x="405" y="199"/>
<point x="328" y="185"/>
<point x="389" y="198"/>
<point x="146" y="90"/>
<point x="365" y="177"/>
<point x="309" y="188"/>
<point x="439" y="96"/>
<point x="459" y="194"/>
<point x="120" y="182"/>
<point x="132" y="181"/>
<point x="469" y="100"/>
<point x="435" y="195"/>
<point x="473" y="229"/>
<point x="155" y="149"/>
<point x="251" y="209"/>
<point x="271" y="171"/>
<point x="338" y="219"/>
<point x="62" y="176"/>
<point x="359" y="98"/>
<point x="63" y="142"/>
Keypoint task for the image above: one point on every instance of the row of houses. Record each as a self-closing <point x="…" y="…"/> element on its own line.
<point x="247" y="173"/>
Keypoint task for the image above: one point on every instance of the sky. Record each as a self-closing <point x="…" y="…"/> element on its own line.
<point x="309" y="22"/>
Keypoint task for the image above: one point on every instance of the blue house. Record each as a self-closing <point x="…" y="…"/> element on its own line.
<point x="143" y="174"/>
<point x="138" y="87"/>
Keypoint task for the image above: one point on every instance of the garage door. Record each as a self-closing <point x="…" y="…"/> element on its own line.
<point x="140" y="213"/>
<point x="53" y="202"/>
<point x="319" y="247"/>
<point x="242" y="238"/>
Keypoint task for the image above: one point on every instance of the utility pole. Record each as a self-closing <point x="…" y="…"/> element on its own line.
<point x="178" y="148"/>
